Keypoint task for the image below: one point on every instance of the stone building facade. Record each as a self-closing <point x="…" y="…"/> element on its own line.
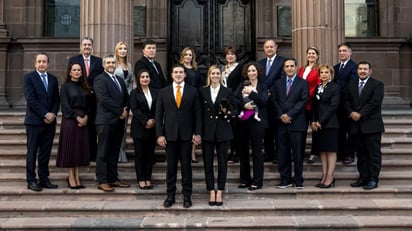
<point x="379" y="31"/>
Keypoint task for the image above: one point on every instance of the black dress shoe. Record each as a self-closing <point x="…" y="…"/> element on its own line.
<point x="34" y="186"/>
<point x="187" y="203"/>
<point x="254" y="187"/>
<point x="244" y="186"/>
<point x="313" y="160"/>
<point x="48" y="184"/>
<point x="348" y="160"/>
<point x="170" y="200"/>
<point x="371" y="185"/>
<point x="358" y="183"/>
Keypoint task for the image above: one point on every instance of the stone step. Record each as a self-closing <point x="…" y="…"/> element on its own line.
<point x="15" y="166"/>
<point x="20" y="134"/>
<point x="17" y="191"/>
<point x="393" y="178"/>
<point x="387" y="142"/>
<point x="233" y="207"/>
<point x="206" y="222"/>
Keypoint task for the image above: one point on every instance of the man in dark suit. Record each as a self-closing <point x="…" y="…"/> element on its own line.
<point x="112" y="110"/>
<point x="272" y="70"/>
<point x="178" y="125"/>
<point x="345" y="70"/>
<point x="147" y="62"/>
<point x="41" y="91"/>
<point x="93" y="67"/>
<point x="364" y="106"/>
<point x="289" y="97"/>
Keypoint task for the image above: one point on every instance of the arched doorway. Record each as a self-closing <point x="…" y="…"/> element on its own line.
<point x="209" y="26"/>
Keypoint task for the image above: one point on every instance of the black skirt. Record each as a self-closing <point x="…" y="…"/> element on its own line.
<point x="326" y="140"/>
<point x="73" y="148"/>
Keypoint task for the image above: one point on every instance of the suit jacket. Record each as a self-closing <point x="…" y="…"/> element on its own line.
<point x="216" y="124"/>
<point x="344" y="76"/>
<point x="235" y="77"/>
<point x="157" y="80"/>
<point x="292" y="104"/>
<point x="313" y="81"/>
<point x="128" y="79"/>
<point x="110" y="101"/>
<point x="141" y="112"/>
<point x="173" y="122"/>
<point x="368" y="104"/>
<point x="276" y="70"/>
<point x="96" y="67"/>
<point x="325" y="106"/>
<point x="39" y="101"/>
<point x="260" y="99"/>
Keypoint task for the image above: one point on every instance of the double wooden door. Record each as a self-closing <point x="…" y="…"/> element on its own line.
<point x="209" y="26"/>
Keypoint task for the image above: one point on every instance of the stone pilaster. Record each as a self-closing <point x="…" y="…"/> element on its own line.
<point x="107" y="22"/>
<point x="3" y="29"/>
<point x="317" y="23"/>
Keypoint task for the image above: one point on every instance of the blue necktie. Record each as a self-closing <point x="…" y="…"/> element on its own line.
<point x="44" y="80"/>
<point x="361" y="85"/>
<point x="288" y="86"/>
<point x="117" y="83"/>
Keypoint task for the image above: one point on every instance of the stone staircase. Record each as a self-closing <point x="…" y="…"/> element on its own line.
<point x="388" y="207"/>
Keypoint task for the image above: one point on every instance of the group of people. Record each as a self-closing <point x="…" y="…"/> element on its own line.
<point x="263" y="106"/>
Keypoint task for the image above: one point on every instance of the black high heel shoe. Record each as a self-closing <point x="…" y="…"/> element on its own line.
<point x="219" y="203"/>
<point x="331" y="185"/>
<point x="70" y="186"/>
<point x="212" y="202"/>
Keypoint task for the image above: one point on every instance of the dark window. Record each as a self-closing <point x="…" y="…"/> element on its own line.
<point x="62" y="18"/>
<point x="361" y="18"/>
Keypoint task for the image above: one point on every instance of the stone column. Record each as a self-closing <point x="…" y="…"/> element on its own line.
<point x="318" y="23"/>
<point x="3" y="57"/>
<point x="107" y="22"/>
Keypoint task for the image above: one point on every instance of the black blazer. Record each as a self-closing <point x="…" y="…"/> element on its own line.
<point x="235" y="77"/>
<point x="110" y="101"/>
<point x="39" y="101"/>
<point x="141" y="112"/>
<point x="96" y="67"/>
<point x="157" y="80"/>
<point x="293" y="104"/>
<point x="260" y="99"/>
<point x="344" y="76"/>
<point x="185" y="121"/>
<point x="276" y="70"/>
<point x="369" y="105"/>
<point x="216" y="124"/>
<point x="325" y="106"/>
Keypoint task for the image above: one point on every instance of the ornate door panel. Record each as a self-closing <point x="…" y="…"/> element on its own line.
<point x="209" y="26"/>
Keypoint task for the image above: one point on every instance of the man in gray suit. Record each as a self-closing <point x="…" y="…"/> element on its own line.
<point x="112" y="110"/>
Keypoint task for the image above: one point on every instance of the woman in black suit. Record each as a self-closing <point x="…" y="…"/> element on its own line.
<point x="251" y="130"/>
<point x="143" y="104"/>
<point x="217" y="131"/>
<point x="325" y="124"/>
<point x="231" y="78"/>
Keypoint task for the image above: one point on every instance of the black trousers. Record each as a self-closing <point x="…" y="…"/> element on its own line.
<point x="251" y="131"/>
<point x="290" y="142"/>
<point x="144" y="149"/>
<point x="208" y="157"/>
<point x="345" y="144"/>
<point x="91" y="128"/>
<point x="176" y="150"/>
<point x="368" y="149"/>
<point x="39" y="141"/>
<point x="270" y="134"/>
<point x="110" y="139"/>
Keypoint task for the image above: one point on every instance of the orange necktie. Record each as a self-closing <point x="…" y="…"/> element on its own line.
<point x="178" y="96"/>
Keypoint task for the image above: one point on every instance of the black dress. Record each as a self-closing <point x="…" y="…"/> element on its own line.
<point x="73" y="148"/>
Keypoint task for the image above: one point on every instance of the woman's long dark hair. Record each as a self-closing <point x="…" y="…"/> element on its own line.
<point x="82" y="79"/>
